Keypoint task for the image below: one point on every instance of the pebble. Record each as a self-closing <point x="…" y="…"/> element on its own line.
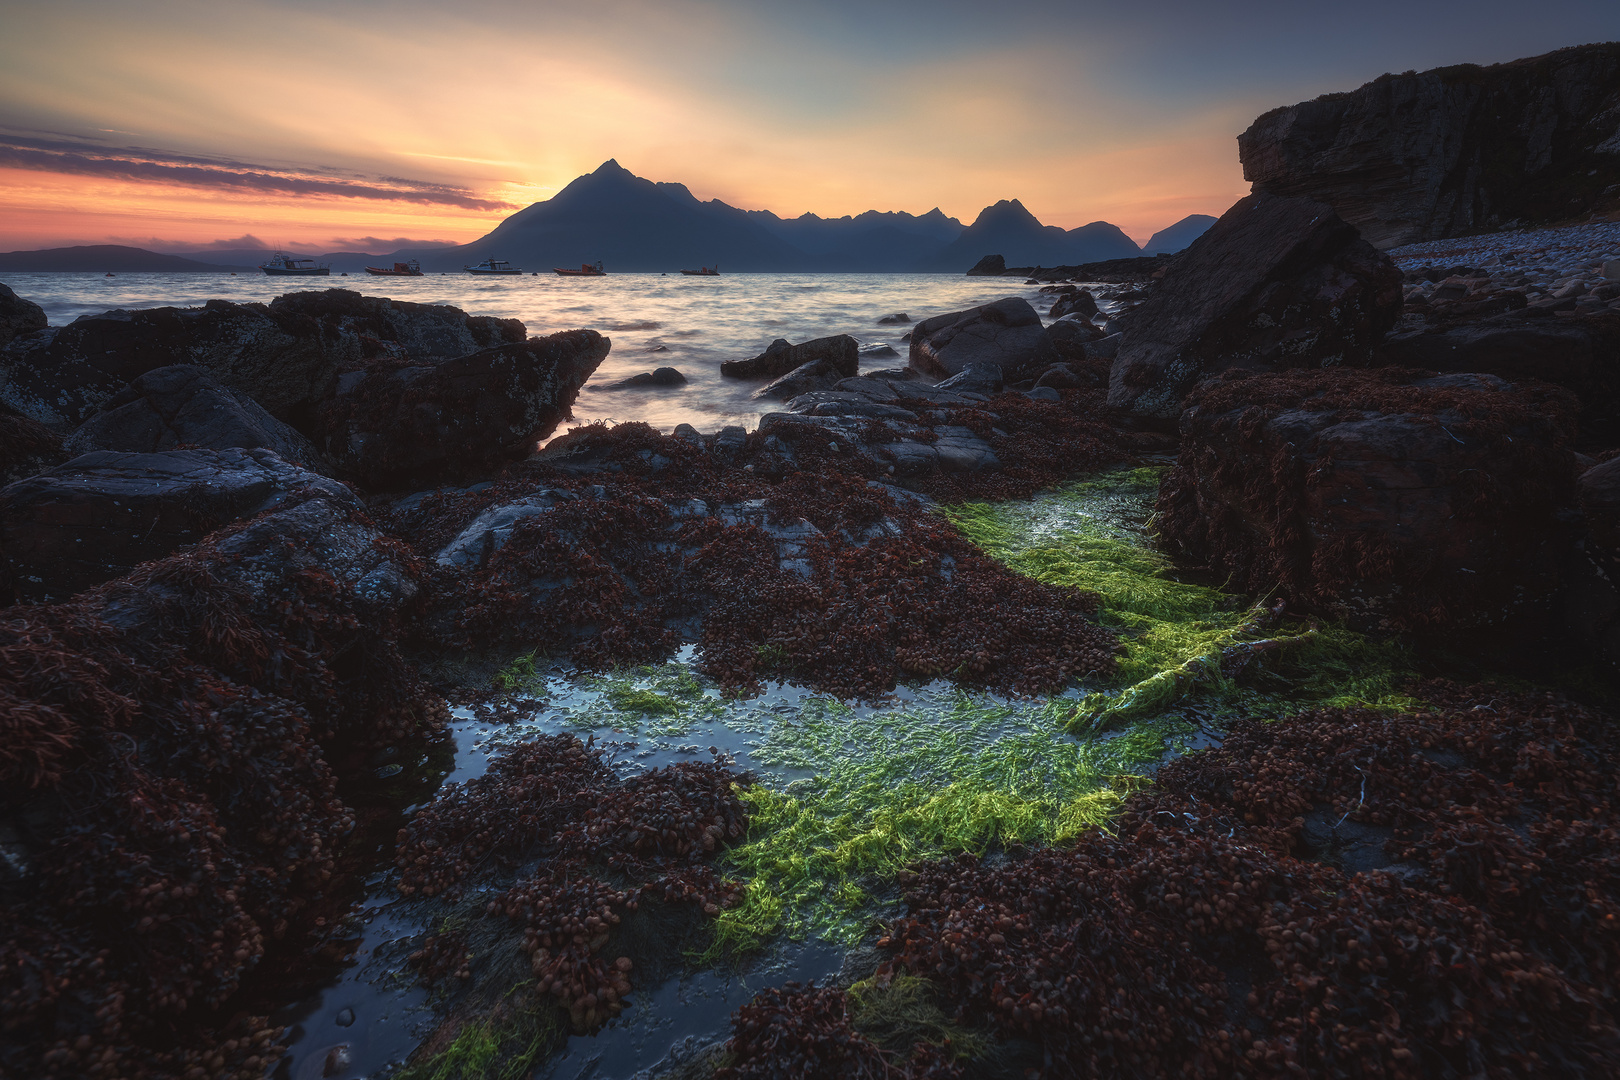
<point x="1561" y="263"/>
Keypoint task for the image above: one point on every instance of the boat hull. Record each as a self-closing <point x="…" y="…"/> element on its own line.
<point x="496" y="273"/>
<point x="579" y="273"/>
<point x="393" y="273"/>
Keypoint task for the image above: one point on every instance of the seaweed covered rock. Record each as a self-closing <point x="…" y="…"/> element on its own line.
<point x="171" y="747"/>
<point x="1276" y="283"/>
<point x="101" y="514"/>
<point x="26" y="446"/>
<point x="287" y="355"/>
<point x="1005" y="333"/>
<point x="18" y="316"/>
<point x="1340" y="894"/>
<point x="1395" y="499"/>
<point x="392" y="426"/>
<point x="184" y="405"/>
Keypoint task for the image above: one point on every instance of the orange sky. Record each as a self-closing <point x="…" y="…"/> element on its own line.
<point x="306" y="123"/>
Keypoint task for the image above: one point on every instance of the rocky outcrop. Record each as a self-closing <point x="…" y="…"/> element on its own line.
<point x="1440" y="153"/>
<point x="664" y="376"/>
<point x="1276" y="283"/>
<point x="841" y="351"/>
<point x="989" y="266"/>
<point x="286" y="355"/>
<point x="99" y="515"/>
<point x="1004" y="333"/>
<point x="816" y="375"/>
<point x="1074" y="301"/>
<point x="184" y="405"/>
<point x="18" y="316"/>
<point x="1396" y="500"/>
<point x="394" y="428"/>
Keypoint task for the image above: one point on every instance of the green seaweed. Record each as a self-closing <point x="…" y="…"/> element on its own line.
<point x="491" y="1049"/>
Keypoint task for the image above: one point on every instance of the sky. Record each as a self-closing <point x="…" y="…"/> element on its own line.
<point x="368" y="125"/>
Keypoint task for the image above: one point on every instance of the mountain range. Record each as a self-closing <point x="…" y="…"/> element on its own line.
<point x="631" y="224"/>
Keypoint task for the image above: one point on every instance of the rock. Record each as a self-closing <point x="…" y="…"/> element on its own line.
<point x="842" y="352"/>
<point x="184" y="405"/>
<point x="287" y="355"/>
<point x="879" y="351"/>
<point x="488" y="532"/>
<point x="664" y="376"/>
<point x="844" y="403"/>
<point x="976" y="378"/>
<point x="1043" y="393"/>
<point x="1065" y="342"/>
<point x="815" y="375"/>
<point x="1104" y="348"/>
<point x="1611" y="270"/>
<point x="1599" y="493"/>
<point x="99" y="515"/>
<point x="1063" y="377"/>
<point x="1004" y="333"/>
<point x="1080" y="302"/>
<point x="989" y="266"/>
<point x="1276" y="283"/>
<point x="406" y="428"/>
<point x="26" y="447"/>
<point x="18" y="316"/>
<point x="1455" y="150"/>
<point x="1393" y="499"/>
<point x="1581" y="354"/>
<point x="898" y="319"/>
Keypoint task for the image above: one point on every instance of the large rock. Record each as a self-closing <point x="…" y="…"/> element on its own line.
<point x="1580" y="353"/>
<point x="1005" y="333"/>
<point x="101" y="514"/>
<point x="1276" y="283"/>
<point x="18" y="316"/>
<point x="816" y="375"/>
<point x="989" y="266"/>
<point x="1454" y="150"/>
<point x="1394" y="499"/>
<point x="841" y="351"/>
<point x="411" y="427"/>
<point x="184" y="405"/>
<point x="26" y="447"/>
<point x="286" y="355"/>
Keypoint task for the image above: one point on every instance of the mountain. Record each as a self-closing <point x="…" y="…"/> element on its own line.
<point x="1009" y="230"/>
<point x="1172" y="238"/>
<point x="106" y="258"/>
<point x="631" y="224"/>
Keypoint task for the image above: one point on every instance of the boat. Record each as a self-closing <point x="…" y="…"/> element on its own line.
<point x="284" y="265"/>
<point x="585" y="270"/>
<point x="704" y="271"/>
<point x="401" y="269"/>
<point x="493" y="266"/>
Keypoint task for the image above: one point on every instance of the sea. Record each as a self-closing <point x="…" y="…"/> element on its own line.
<point x="691" y="324"/>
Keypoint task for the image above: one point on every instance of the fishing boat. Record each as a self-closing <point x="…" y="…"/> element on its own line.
<point x="401" y="269"/>
<point x="704" y="271"/>
<point x="493" y="266"/>
<point x="585" y="270"/>
<point x="283" y="265"/>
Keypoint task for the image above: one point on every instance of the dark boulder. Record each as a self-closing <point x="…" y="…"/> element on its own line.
<point x="184" y="405"/>
<point x="1076" y="302"/>
<point x="1064" y="342"/>
<point x="26" y="447"/>
<point x="976" y="378"/>
<point x="664" y="376"/>
<point x="286" y="355"/>
<point x="412" y="427"/>
<point x="1005" y="333"/>
<point x="1064" y="377"/>
<point x="1397" y="500"/>
<point x="899" y="318"/>
<point x="99" y="515"/>
<point x="18" y="316"/>
<point x="841" y="351"/>
<point x="1451" y="151"/>
<point x="815" y="375"/>
<point x="1580" y="353"/>
<point x="1276" y="283"/>
<point x="989" y="266"/>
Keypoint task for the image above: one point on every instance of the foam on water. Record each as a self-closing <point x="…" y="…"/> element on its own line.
<point x="688" y="323"/>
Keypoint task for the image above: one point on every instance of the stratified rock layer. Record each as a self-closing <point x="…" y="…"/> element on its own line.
<point x="1276" y="283"/>
<point x="1394" y="499"/>
<point x="1454" y="150"/>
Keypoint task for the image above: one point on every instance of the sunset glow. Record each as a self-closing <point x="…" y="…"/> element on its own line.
<point x="182" y="122"/>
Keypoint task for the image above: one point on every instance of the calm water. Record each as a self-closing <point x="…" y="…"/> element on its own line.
<point x="655" y="321"/>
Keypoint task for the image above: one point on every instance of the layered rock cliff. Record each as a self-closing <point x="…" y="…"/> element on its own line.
<point x="1421" y="156"/>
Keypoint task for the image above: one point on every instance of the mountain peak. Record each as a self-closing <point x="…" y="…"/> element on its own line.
<point x="610" y="167"/>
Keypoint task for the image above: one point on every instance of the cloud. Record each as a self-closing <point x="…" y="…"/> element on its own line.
<point x="161" y="166"/>
<point x="378" y="243"/>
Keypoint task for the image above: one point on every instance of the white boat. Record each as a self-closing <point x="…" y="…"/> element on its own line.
<point x="493" y="266"/>
<point x="284" y="265"/>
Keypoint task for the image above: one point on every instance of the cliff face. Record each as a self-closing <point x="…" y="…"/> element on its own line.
<point x="1454" y="150"/>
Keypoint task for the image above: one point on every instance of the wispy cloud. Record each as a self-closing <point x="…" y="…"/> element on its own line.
<point x="163" y="166"/>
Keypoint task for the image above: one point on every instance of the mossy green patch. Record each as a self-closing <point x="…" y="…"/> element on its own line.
<point x="899" y="1012"/>
<point x="500" y="1048"/>
<point x="1094" y="535"/>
